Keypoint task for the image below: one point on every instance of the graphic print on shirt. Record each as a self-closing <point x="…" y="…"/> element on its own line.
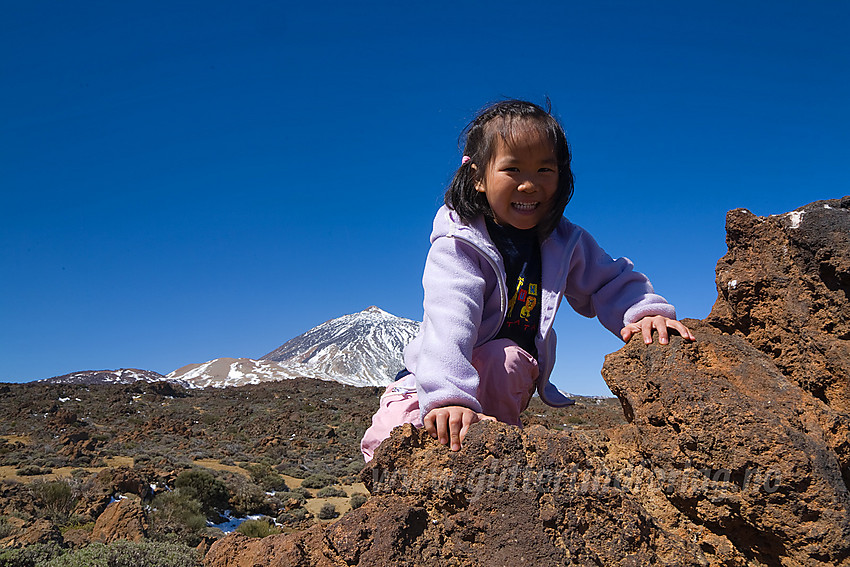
<point x="524" y="320"/>
<point x="517" y="291"/>
<point x="520" y="251"/>
<point x="530" y="304"/>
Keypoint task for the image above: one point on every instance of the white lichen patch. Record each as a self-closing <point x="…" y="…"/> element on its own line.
<point x="732" y="284"/>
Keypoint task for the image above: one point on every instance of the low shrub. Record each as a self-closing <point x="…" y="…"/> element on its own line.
<point x="177" y="513"/>
<point x="57" y="497"/>
<point x="257" y="528"/>
<point x="6" y="528"/>
<point x="357" y="500"/>
<point x="293" y="517"/>
<point x="294" y="472"/>
<point x="318" y="480"/>
<point x="330" y="492"/>
<point x="303" y="491"/>
<point x="266" y="477"/>
<point x="328" y="512"/>
<point x="247" y="498"/>
<point x="123" y="553"/>
<point x="284" y="496"/>
<point x="32" y="470"/>
<point x="36" y="555"/>
<point x="201" y="485"/>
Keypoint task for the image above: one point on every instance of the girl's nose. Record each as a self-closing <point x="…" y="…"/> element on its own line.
<point x="527" y="186"/>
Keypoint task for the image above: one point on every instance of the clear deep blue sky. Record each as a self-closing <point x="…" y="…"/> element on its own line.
<point x="181" y="181"/>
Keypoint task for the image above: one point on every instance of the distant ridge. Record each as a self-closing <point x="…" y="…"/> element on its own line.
<point x="120" y="376"/>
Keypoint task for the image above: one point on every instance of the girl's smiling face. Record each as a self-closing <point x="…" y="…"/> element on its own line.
<point x="521" y="180"/>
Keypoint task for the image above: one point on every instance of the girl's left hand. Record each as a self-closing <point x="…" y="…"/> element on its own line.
<point x="661" y="324"/>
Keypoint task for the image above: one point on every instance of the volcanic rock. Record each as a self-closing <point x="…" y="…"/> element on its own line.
<point x="510" y="497"/>
<point x="784" y="285"/>
<point x="123" y="519"/>
<point x="738" y="447"/>
<point x="40" y="531"/>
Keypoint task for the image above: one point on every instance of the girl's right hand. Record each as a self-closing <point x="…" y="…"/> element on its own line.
<point x="450" y="423"/>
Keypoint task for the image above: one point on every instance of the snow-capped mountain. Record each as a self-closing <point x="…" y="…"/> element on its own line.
<point x="361" y="349"/>
<point x="120" y="376"/>
<point x="222" y="372"/>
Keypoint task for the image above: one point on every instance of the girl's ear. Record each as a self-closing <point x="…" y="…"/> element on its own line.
<point x="479" y="185"/>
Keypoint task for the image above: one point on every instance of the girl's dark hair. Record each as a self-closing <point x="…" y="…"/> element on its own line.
<point x="506" y="119"/>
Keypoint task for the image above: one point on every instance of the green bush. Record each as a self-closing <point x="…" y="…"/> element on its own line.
<point x="32" y="470"/>
<point x="201" y="485"/>
<point x="292" y="517"/>
<point x="36" y="555"/>
<point x="6" y="528"/>
<point x="357" y="500"/>
<point x="294" y="472"/>
<point x="247" y="498"/>
<point x="303" y="491"/>
<point x="284" y="496"/>
<point x="266" y="477"/>
<point x="124" y="553"/>
<point x="318" y="480"/>
<point x="257" y="528"/>
<point x="328" y="512"/>
<point x="330" y="492"/>
<point x="57" y="497"/>
<point x="177" y="513"/>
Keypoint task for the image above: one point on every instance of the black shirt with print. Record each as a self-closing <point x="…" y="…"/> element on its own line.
<point x="520" y="251"/>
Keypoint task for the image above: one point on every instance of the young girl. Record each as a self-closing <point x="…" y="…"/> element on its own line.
<point x="502" y="257"/>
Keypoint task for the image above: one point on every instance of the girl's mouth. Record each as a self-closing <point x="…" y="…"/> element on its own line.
<point x="525" y="207"/>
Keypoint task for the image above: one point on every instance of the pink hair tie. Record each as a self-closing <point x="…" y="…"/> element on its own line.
<point x="465" y="159"/>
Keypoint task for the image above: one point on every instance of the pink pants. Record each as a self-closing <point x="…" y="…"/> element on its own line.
<point x="507" y="378"/>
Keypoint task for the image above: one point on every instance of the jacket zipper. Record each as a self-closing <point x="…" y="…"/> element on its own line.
<point x="503" y="286"/>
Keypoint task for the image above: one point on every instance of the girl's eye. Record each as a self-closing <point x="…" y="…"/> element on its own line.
<point x="546" y="170"/>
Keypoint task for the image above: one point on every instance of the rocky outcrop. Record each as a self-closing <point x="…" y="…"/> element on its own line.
<point x="123" y="519"/>
<point x="512" y="496"/>
<point x="784" y="286"/>
<point x="40" y="531"/>
<point x="735" y="450"/>
<point x="750" y="423"/>
<point x="740" y="450"/>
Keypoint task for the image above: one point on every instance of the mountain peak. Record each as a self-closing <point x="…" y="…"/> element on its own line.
<point x="363" y="348"/>
<point x="358" y="349"/>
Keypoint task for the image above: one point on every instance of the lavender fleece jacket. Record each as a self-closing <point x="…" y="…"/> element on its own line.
<point x="466" y="301"/>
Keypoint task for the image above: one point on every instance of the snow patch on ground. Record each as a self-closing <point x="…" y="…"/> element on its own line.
<point x="796" y="217"/>
<point x="232" y="522"/>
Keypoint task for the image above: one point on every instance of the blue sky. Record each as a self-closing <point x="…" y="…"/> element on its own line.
<point x="181" y="181"/>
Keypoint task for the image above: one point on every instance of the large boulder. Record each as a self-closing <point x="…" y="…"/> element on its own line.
<point x="123" y="519"/>
<point x="738" y="448"/>
<point x="511" y="496"/>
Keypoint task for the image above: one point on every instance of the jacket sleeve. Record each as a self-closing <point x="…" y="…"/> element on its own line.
<point x="454" y="285"/>
<point x="609" y="289"/>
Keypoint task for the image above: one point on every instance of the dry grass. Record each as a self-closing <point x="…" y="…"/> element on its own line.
<point x="215" y="465"/>
<point x="11" y="473"/>
<point x="23" y="439"/>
